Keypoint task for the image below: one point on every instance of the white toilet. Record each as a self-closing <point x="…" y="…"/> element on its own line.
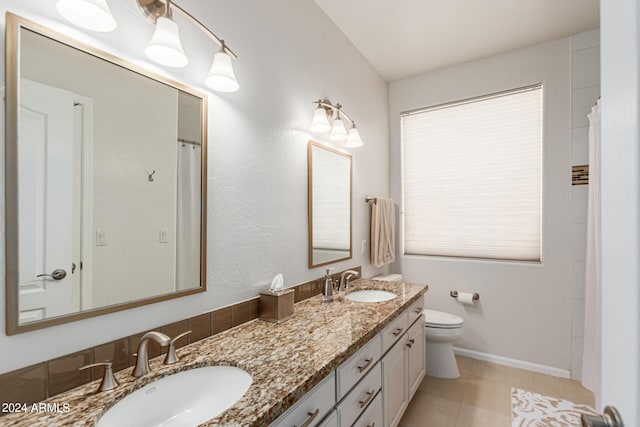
<point x="441" y="330"/>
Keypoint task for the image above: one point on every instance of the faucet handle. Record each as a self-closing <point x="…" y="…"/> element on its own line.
<point x="172" y="357"/>
<point x="109" y="381"/>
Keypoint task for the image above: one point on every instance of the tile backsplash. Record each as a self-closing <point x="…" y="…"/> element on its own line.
<point x="46" y="379"/>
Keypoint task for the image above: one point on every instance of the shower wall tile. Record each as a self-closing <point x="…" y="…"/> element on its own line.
<point x="579" y="203"/>
<point x="585" y="40"/>
<point x="577" y="318"/>
<point x="582" y="102"/>
<point x="580" y="145"/>
<point x="577" y="349"/>
<point x="578" y="242"/>
<point x="577" y="279"/>
<point x="585" y="71"/>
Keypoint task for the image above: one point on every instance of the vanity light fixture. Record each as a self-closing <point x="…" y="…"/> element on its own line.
<point x="165" y="47"/>
<point x="90" y="14"/>
<point x="320" y="124"/>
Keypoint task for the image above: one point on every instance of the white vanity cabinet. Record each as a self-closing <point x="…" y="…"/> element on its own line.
<point x="359" y="398"/>
<point x="374" y="386"/>
<point x="372" y="417"/>
<point x="403" y="368"/>
<point x="415" y="352"/>
<point x="357" y="366"/>
<point x="331" y="420"/>
<point x="394" y="380"/>
<point x="312" y="408"/>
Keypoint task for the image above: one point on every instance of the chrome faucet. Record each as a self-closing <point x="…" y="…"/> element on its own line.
<point x="344" y="283"/>
<point x="142" y="363"/>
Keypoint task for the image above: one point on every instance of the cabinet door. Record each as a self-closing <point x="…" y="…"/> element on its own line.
<point x="394" y="384"/>
<point x="415" y="357"/>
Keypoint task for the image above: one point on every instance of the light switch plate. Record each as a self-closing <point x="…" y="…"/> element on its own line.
<point x="101" y="238"/>
<point x="164" y="235"/>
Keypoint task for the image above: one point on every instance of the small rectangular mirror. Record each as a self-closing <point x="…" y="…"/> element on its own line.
<point x="104" y="182"/>
<point x="329" y="205"/>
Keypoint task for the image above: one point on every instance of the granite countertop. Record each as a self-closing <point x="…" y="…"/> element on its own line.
<point x="286" y="360"/>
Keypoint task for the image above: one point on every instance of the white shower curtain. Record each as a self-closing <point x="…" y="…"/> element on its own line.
<point x="591" y="357"/>
<point x="188" y="217"/>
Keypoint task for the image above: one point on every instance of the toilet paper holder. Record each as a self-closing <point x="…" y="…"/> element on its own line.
<point x="454" y="294"/>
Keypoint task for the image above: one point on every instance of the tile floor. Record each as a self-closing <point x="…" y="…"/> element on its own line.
<point x="481" y="397"/>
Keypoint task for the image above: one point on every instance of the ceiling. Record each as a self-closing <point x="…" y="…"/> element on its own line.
<point x="401" y="38"/>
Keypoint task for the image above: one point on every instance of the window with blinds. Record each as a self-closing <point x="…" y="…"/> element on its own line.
<point x="472" y="177"/>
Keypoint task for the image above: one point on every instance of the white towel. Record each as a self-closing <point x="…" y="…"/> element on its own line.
<point x="383" y="222"/>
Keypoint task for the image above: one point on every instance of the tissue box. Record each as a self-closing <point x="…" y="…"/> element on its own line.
<point x="276" y="306"/>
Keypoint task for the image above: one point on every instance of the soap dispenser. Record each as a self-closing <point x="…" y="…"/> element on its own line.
<point x="327" y="287"/>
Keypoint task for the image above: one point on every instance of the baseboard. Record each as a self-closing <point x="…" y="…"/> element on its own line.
<point x="514" y="363"/>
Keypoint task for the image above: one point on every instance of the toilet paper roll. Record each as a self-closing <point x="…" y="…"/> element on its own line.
<point x="465" y="298"/>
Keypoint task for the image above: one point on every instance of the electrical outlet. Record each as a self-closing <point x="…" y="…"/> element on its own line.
<point x="363" y="247"/>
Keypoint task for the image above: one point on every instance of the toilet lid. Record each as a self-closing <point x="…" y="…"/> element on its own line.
<point x="440" y="319"/>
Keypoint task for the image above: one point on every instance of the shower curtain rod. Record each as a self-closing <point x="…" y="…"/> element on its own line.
<point x="186" y="141"/>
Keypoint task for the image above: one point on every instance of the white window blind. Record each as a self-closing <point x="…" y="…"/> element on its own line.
<point x="472" y="177"/>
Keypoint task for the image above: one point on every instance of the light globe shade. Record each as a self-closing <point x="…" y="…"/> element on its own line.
<point x="165" y="47"/>
<point x="221" y="77"/>
<point x="93" y="15"/>
<point x="338" y="131"/>
<point x="320" y="123"/>
<point x="353" y="139"/>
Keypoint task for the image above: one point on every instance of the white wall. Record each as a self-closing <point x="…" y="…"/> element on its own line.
<point x="290" y="54"/>
<point x="524" y="311"/>
<point x="585" y="90"/>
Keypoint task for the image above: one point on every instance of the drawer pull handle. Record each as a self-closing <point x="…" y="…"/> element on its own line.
<point x="312" y="416"/>
<point x="366" y="365"/>
<point x="371" y="425"/>
<point x="398" y="332"/>
<point x="418" y="310"/>
<point x="369" y="398"/>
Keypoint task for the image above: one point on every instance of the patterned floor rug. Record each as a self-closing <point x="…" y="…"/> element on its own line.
<point x="529" y="409"/>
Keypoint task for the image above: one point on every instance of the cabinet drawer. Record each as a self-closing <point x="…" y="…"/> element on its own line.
<point x="331" y="420"/>
<point x="372" y="417"/>
<point x="312" y="407"/>
<point x="360" y="397"/>
<point x="357" y="366"/>
<point x="394" y="331"/>
<point x="415" y="310"/>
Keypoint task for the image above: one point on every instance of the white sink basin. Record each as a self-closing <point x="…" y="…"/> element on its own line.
<point x="185" y="398"/>
<point x="371" y="295"/>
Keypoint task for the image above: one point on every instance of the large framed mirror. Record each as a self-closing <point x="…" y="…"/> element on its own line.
<point x="105" y="188"/>
<point x="329" y="193"/>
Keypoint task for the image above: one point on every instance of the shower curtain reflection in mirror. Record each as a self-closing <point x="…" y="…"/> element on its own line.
<point x="188" y="216"/>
